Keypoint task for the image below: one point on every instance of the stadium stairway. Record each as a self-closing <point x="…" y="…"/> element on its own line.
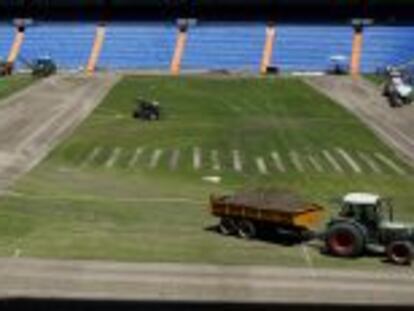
<point x="224" y="45"/>
<point x="68" y="43"/>
<point x="386" y="45"/>
<point x="16" y="46"/>
<point x="268" y="48"/>
<point x="179" y="51"/>
<point x="7" y="33"/>
<point x="144" y="45"/>
<point x="356" y="53"/>
<point x="96" y="49"/>
<point x="310" y="47"/>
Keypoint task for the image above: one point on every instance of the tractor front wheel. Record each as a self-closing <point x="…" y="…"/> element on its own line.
<point x="400" y="252"/>
<point x="345" y="240"/>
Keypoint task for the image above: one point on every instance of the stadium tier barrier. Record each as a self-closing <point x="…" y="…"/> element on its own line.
<point x="209" y="45"/>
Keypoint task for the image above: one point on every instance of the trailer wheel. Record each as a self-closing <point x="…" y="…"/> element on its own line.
<point x="246" y="229"/>
<point x="345" y="240"/>
<point x="227" y="226"/>
<point x="400" y="252"/>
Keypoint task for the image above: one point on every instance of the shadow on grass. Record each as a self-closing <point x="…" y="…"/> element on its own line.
<point x="280" y="237"/>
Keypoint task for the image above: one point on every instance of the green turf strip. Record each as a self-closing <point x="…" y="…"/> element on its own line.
<point x="71" y="208"/>
<point x="12" y="84"/>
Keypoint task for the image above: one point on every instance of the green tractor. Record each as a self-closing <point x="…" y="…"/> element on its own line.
<point x="43" y="67"/>
<point x="365" y="224"/>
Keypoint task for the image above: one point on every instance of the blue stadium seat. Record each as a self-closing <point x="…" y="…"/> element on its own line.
<point x="6" y="39"/>
<point x="384" y="45"/>
<point x="310" y="47"/>
<point x="68" y="43"/>
<point x="234" y="46"/>
<point x="146" y="45"/>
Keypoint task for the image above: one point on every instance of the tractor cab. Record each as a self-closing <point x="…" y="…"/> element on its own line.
<point x="365" y="208"/>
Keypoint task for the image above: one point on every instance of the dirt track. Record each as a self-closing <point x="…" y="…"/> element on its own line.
<point x="175" y="282"/>
<point x="361" y="97"/>
<point x="33" y="121"/>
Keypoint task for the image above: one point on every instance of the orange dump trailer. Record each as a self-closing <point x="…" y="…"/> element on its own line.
<point x="247" y="214"/>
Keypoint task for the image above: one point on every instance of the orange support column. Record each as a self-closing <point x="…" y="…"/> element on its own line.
<point x="179" y="51"/>
<point x="15" y="48"/>
<point x="268" y="48"/>
<point x="356" y="52"/>
<point x="96" y="49"/>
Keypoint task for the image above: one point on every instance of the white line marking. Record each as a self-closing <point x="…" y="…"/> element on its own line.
<point x="390" y="163"/>
<point x="135" y="157"/>
<point x="156" y="155"/>
<point x="17" y="253"/>
<point x="332" y="161"/>
<point x="315" y="163"/>
<point x="348" y="159"/>
<point x="196" y="158"/>
<point x="296" y="161"/>
<point x="237" y="164"/>
<point x="370" y="162"/>
<point x="309" y="260"/>
<point x="92" y="156"/>
<point x="261" y="165"/>
<point x="113" y="158"/>
<point x="277" y="160"/>
<point x="174" y="159"/>
<point x="100" y="198"/>
<point x="215" y="160"/>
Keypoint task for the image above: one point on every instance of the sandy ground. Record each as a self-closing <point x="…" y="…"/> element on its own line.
<point x="174" y="282"/>
<point x="34" y="120"/>
<point x="364" y="99"/>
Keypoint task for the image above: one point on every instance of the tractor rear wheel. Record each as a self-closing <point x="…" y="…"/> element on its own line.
<point x="345" y="240"/>
<point x="246" y="229"/>
<point x="400" y="252"/>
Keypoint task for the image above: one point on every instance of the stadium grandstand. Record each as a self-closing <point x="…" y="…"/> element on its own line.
<point x="207" y="35"/>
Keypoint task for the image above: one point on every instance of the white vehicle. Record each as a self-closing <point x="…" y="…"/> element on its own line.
<point x="398" y="90"/>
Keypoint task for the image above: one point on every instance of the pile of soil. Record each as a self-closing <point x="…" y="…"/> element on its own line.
<point x="268" y="199"/>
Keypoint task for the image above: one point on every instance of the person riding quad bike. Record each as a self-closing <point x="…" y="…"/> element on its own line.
<point x="397" y="88"/>
<point x="147" y="110"/>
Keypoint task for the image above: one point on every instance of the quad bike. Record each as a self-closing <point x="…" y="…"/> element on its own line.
<point x="147" y="110"/>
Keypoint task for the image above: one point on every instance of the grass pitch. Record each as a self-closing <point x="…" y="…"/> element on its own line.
<point x="14" y="83"/>
<point x="112" y="191"/>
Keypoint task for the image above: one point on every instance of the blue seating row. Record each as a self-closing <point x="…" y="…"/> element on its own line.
<point x="210" y="45"/>
<point x="69" y="44"/>
<point x="6" y="40"/>
<point x="383" y="46"/>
